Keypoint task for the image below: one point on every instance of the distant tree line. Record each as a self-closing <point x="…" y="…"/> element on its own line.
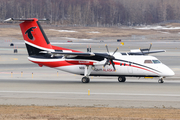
<point x="93" y="12"/>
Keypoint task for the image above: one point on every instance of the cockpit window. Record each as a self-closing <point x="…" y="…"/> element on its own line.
<point x="152" y="62"/>
<point x="148" y="62"/>
<point x="156" y="61"/>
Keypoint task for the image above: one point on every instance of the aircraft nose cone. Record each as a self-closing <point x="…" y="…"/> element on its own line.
<point x="171" y="73"/>
<point x="168" y="72"/>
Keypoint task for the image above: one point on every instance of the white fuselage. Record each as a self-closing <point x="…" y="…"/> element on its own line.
<point x="133" y="65"/>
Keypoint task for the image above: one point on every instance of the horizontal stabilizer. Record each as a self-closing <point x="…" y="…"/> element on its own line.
<point x="24" y="19"/>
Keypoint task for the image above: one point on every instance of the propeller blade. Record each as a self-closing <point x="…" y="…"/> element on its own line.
<point x="106" y="63"/>
<point x="113" y="65"/>
<point x="107" y="48"/>
<point x="150" y="47"/>
<point x="115" y="50"/>
<point x="141" y="51"/>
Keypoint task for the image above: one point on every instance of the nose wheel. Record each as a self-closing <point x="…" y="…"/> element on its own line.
<point x="161" y="80"/>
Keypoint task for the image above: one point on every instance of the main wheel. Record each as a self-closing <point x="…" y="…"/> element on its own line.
<point x="85" y="80"/>
<point x="121" y="79"/>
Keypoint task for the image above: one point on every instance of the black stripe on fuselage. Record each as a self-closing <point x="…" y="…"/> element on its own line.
<point x="137" y="64"/>
<point x="99" y="58"/>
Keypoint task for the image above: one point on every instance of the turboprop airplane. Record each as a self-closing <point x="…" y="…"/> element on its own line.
<point x="133" y="64"/>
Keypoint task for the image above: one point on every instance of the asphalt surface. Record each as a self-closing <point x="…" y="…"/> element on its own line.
<point x="25" y="83"/>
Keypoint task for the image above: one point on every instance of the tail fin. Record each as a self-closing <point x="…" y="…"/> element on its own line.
<point x="34" y="36"/>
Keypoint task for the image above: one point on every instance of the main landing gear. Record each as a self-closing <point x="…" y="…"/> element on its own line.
<point x="87" y="72"/>
<point x="85" y="80"/>
<point x="161" y="80"/>
<point x="121" y="79"/>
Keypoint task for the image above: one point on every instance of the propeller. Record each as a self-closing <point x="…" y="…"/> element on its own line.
<point x="110" y="58"/>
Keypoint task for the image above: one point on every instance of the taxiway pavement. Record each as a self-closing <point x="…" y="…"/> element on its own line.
<point x="24" y="83"/>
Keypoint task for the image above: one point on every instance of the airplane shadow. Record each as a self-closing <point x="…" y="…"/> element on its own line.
<point x="135" y="82"/>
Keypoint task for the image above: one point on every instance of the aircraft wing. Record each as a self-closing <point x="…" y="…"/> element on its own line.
<point x="103" y="55"/>
<point x="87" y="54"/>
<point x="145" y="52"/>
<point x="68" y="53"/>
<point x="74" y="53"/>
<point x="153" y="51"/>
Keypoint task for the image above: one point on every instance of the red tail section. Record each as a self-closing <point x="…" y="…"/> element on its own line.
<point x="35" y="38"/>
<point x="34" y="35"/>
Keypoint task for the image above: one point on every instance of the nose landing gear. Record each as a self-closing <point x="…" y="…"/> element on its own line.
<point x="161" y="80"/>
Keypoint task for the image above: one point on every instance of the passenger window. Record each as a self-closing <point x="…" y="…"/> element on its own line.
<point x="148" y="62"/>
<point x="156" y="61"/>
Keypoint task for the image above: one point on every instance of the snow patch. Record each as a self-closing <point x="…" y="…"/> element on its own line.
<point x="63" y="30"/>
<point x="158" y="28"/>
<point x="76" y="39"/>
<point x="94" y="32"/>
<point x="164" y="32"/>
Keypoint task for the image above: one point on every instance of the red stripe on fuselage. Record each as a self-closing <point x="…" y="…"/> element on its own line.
<point x="125" y="64"/>
<point x="144" y="69"/>
<point x="53" y="64"/>
<point x="78" y="62"/>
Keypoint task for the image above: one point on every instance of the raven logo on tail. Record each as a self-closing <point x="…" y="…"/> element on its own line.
<point x="30" y="36"/>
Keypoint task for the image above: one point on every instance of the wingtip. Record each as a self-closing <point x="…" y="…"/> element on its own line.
<point x="9" y="19"/>
<point x="25" y="19"/>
